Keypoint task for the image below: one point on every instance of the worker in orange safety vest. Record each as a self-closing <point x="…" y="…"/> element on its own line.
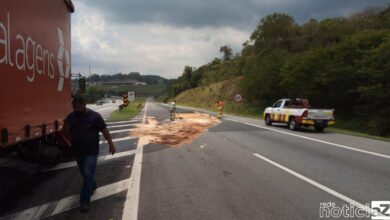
<point x="219" y="106"/>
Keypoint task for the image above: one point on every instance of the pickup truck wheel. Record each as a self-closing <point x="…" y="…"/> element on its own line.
<point x="319" y="128"/>
<point x="267" y="120"/>
<point x="292" y="124"/>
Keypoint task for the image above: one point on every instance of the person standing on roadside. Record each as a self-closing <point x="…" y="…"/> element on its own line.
<point x="172" y="109"/>
<point x="84" y="126"/>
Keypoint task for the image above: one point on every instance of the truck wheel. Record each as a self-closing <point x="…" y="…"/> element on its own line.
<point x="292" y="124"/>
<point x="267" y="120"/>
<point x="319" y="128"/>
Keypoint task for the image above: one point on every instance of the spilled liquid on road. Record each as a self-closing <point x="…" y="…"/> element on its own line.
<point x="185" y="128"/>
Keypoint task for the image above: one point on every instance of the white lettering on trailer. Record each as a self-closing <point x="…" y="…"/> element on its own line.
<point x="61" y="52"/>
<point x="33" y="57"/>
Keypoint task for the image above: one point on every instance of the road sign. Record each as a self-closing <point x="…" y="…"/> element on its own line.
<point x="238" y="97"/>
<point x="125" y="100"/>
<point x="131" y="96"/>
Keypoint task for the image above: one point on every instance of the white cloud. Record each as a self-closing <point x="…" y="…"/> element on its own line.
<point x="148" y="48"/>
<point x="154" y="37"/>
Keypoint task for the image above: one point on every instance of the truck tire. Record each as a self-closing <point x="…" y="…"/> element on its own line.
<point x="267" y="120"/>
<point x="292" y="124"/>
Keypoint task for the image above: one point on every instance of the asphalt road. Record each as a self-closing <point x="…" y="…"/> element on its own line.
<point x="239" y="169"/>
<point x="29" y="191"/>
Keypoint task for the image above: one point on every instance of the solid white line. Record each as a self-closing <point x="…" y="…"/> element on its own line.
<point x="119" y="126"/>
<point x="100" y="159"/>
<point x="68" y="203"/>
<point x="102" y="109"/>
<point x="130" y="209"/>
<point x="117" y="140"/>
<point x="122" y="122"/>
<point x="144" y="118"/>
<point x="320" y="186"/>
<point x="316" y="140"/>
<point x="118" y="131"/>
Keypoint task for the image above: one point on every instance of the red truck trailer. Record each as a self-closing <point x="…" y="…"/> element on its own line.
<point x="35" y="69"/>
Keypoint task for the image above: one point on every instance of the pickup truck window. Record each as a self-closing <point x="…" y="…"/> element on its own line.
<point x="277" y="104"/>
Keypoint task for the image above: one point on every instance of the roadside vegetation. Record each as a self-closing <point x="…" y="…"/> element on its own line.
<point x="202" y="97"/>
<point x="340" y="63"/>
<point x="94" y="93"/>
<point x="128" y="112"/>
<point x="156" y="85"/>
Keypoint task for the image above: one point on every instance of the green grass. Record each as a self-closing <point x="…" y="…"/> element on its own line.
<point x="129" y="112"/>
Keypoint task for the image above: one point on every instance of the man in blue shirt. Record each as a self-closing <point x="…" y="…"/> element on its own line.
<point x="84" y="126"/>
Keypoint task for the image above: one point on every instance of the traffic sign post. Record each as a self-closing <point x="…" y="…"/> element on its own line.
<point x="238" y="98"/>
<point x="131" y="96"/>
<point x="125" y="100"/>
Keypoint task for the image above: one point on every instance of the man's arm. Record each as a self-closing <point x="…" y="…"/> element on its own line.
<point x="107" y="136"/>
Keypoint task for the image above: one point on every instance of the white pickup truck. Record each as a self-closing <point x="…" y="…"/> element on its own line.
<point x="297" y="113"/>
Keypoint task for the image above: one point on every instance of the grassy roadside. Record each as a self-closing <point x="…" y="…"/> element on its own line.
<point x="129" y="112"/>
<point x="341" y="127"/>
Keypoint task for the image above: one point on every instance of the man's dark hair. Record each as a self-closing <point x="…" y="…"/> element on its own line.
<point x="78" y="100"/>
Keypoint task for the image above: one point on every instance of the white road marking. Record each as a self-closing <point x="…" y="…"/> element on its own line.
<point x="21" y="165"/>
<point x="102" y="109"/>
<point x="118" y="131"/>
<point x="68" y="203"/>
<point x="304" y="137"/>
<point x="130" y="209"/>
<point x="119" y="126"/>
<point x="144" y="118"/>
<point x="316" y="140"/>
<point x="320" y="186"/>
<point x="100" y="159"/>
<point x="117" y="139"/>
<point x="121" y="122"/>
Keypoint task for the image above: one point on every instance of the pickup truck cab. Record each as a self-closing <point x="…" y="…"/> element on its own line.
<point x="297" y="113"/>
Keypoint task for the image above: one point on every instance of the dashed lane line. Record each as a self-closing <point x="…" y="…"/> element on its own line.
<point x="355" y="203"/>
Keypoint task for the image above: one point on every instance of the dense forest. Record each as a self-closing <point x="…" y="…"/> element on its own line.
<point x="341" y="63"/>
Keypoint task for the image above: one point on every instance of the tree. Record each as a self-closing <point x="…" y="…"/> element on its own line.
<point x="277" y="30"/>
<point x="227" y="52"/>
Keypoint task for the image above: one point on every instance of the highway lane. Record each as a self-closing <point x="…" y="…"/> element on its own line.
<point x="372" y="145"/>
<point x="221" y="176"/>
<point x="236" y="170"/>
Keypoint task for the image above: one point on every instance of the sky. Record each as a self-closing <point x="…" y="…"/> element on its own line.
<point x="161" y="37"/>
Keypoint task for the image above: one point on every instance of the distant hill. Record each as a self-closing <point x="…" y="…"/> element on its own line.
<point x="149" y="79"/>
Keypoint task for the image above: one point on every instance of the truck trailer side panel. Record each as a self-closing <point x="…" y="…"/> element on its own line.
<point x="35" y="80"/>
